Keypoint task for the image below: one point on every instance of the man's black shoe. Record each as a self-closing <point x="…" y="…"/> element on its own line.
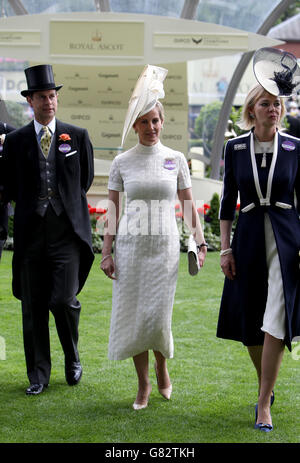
<point x="73" y="372"/>
<point x="35" y="389"/>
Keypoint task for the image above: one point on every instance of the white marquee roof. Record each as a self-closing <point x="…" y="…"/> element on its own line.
<point x="288" y="30"/>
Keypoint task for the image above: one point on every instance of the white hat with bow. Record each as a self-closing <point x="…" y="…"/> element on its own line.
<point x="148" y="90"/>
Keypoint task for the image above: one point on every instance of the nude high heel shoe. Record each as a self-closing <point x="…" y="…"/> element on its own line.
<point x="165" y="392"/>
<point x="137" y="406"/>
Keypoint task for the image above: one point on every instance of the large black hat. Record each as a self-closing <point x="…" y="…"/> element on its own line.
<point x="39" y="78"/>
<point x="277" y="71"/>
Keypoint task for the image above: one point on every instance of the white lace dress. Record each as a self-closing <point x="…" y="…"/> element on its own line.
<point x="146" y="249"/>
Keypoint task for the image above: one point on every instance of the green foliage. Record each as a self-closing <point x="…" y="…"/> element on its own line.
<point x="235" y="116"/>
<point x="205" y="124"/>
<point x="285" y="123"/>
<point x="96" y="241"/>
<point x="290" y="11"/>
<point x="210" y="224"/>
<point x="213" y="240"/>
<point x="212" y="216"/>
<point x="17" y="114"/>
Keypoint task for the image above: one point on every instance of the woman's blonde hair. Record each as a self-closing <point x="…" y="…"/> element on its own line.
<point x="161" y="110"/>
<point x="247" y="121"/>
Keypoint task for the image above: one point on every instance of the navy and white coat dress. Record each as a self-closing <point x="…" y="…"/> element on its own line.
<point x="244" y="298"/>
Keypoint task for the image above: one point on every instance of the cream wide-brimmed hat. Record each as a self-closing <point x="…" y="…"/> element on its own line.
<point x="147" y="91"/>
<point x="277" y="71"/>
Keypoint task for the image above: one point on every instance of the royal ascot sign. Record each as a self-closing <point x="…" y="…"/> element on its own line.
<point x="120" y="39"/>
<point x="96" y="38"/>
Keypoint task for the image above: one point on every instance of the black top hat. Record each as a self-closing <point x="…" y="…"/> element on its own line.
<point x="39" y="78"/>
<point x="277" y="71"/>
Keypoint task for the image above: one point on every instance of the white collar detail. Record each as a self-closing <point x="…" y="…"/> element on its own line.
<point x="263" y="201"/>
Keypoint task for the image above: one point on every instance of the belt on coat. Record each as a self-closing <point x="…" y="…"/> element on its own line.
<point x="266" y="202"/>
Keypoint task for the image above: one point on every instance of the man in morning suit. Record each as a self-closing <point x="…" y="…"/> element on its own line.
<point x="48" y="167"/>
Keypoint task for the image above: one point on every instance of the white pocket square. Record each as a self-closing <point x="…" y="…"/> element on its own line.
<point x="71" y="154"/>
<point x="193" y="263"/>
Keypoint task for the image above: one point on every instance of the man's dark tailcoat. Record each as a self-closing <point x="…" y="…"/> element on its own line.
<point x="74" y="177"/>
<point x="52" y="252"/>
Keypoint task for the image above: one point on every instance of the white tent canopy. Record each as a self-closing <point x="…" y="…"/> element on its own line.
<point x="119" y="39"/>
<point x="287" y="30"/>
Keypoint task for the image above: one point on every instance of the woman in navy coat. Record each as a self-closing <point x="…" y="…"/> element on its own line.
<point x="260" y="302"/>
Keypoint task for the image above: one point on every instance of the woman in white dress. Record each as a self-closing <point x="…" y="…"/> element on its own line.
<point x="146" y="251"/>
<point x="260" y="302"/>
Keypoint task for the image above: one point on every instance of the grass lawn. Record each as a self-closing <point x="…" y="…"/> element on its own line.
<point x="214" y="382"/>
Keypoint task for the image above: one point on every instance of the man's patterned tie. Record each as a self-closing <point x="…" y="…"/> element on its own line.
<point x="46" y="141"/>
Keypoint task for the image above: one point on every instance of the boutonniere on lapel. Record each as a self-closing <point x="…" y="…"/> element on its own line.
<point x="64" y="147"/>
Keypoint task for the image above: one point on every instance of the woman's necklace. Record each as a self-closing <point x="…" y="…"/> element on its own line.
<point x="264" y="147"/>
